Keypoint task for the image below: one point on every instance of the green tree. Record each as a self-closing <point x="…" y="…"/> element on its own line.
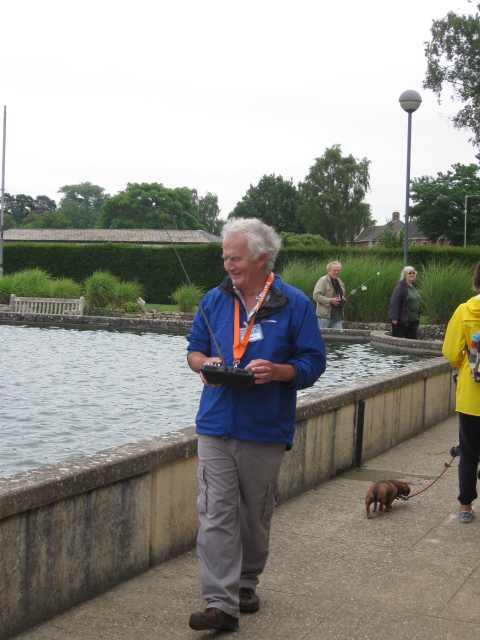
<point x="333" y="195"/>
<point x="88" y="199"/>
<point x="301" y="241"/>
<point x="44" y="204"/>
<point x="55" y="220"/>
<point x="49" y="220"/>
<point x="209" y="213"/>
<point x="8" y="222"/>
<point x="390" y="239"/>
<point x="71" y="211"/>
<point x="440" y="208"/>
<point x="24" y="211"/>
<point x="452" y="60"/>
<point x="140" y="206"/>
<point x="32" y="221"/>
<point x="275" y="201"/>
<point x="18" y="208"/>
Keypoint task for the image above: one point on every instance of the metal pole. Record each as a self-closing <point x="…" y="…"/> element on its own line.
<point x="465" y="232"/>
<point x="3" y="189"/>
<point x="407" y="194"/>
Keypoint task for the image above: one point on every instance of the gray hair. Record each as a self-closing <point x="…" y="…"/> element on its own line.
<point x="330" y="264"/>
<point x="261" y="239"/>
<point x="404" y="271"/>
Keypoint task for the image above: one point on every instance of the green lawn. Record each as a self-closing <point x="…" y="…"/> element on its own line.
<point x="163" y="307"/>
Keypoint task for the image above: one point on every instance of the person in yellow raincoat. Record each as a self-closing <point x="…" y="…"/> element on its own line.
<point x="464" y="323"/>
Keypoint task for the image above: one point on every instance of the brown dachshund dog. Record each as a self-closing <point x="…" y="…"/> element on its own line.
<point x="385" y="492"/>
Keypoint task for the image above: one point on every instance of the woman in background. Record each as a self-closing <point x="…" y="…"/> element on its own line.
<point x="458" y="338"/>
<point x="405" y="306"/>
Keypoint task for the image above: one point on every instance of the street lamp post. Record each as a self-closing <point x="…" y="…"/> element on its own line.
<point x="81" y="201"/>
<point x="2" y="205"/>
<point x="156" y="208"/>
<point x="472" y="195"/>
<point x="465" y="232"/>
<point x="409" y="101"/>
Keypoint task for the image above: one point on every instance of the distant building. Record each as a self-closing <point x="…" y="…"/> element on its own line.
<point x="370" y="237"/>
<point x="145" y="237"/>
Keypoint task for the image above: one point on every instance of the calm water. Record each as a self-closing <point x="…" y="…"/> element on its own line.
<point x="67" y="392"/>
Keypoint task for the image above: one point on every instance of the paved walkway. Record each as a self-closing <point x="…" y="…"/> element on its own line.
<point x="413" y="573"/>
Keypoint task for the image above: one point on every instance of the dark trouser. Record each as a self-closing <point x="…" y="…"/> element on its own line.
<point x="469" y="439"/>
<point x="403" y="331"/>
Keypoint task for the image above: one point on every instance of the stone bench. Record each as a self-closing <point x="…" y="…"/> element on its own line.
<point x="47" y="306"/>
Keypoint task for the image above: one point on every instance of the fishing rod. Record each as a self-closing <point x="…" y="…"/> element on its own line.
<point x="361" y="286"/>
<point x="215" y="373"/>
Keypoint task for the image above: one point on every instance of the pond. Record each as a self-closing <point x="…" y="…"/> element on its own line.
<point x="70" y="392"/>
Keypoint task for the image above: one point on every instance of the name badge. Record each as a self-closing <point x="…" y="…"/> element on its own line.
<point x="256" y="334"/>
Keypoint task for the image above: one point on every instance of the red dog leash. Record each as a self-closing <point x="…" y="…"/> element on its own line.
<point x="438" y="478"/>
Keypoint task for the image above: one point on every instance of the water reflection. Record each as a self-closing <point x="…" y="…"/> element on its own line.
<point x="68" y="392"/>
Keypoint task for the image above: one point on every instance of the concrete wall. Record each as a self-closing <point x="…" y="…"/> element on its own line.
<point x="73" y="530"/>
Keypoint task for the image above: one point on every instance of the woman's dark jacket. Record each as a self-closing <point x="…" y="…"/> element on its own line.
<point x="399" y="304"/>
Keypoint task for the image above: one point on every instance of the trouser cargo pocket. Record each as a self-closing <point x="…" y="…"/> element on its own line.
<point x="202" y="490"/>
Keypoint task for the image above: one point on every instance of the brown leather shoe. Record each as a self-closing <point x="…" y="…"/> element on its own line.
<point x="249" y="601"/>
<point x="212" y="618"/>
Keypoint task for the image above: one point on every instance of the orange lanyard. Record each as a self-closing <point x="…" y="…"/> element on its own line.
<point x="239" y="347"/>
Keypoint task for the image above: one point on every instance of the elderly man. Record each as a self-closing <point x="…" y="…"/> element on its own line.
<point x="243" y="432"/>
<point x="329" y="294"/>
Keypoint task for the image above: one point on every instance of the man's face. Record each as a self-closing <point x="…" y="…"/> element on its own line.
<point x="334" y="271"/>
<point x="246" y="273"/>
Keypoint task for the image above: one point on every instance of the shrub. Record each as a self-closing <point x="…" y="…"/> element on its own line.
<point x="6" y="289"/>
<point x="131" y="307"/>
<point x="302" y="275"/>
<point x="185" y="297"/>
<point x="364" y="305"/>
<point x="65" y="288"/>
<point x="101" y="289"/>
<point x="127" y="293"/>
<point x="31" y="283"/>
<point x="443" y="287"/>
<point x="35" y="283"/>
<point x="372" y="303"/>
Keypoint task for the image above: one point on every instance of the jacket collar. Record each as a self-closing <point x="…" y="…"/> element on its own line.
<point x="276" y="299"/>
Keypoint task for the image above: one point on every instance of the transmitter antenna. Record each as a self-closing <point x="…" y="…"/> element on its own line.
<point x="216" y="373"/>
<point x="195" y="294"/>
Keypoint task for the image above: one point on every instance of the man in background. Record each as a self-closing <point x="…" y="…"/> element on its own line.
<point x="329" y="294"/>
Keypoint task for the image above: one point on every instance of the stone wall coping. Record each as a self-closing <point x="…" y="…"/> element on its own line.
<point x="38" y="487"/>
<point x="347" y="335"/>
<point x="383" y="339"/>
<point x="333" y="398"/>
<point x="167" y="323"/>
<point x="51" y="483"/>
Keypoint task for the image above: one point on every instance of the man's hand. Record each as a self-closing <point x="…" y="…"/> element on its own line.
<point x="197" y="360"/>
<point x="202" y="378"/>
<point x="266" y="371"/>
<point x="335" y="302"/>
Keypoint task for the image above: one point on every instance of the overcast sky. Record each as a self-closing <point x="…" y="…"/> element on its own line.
<point x="214" y="94"/>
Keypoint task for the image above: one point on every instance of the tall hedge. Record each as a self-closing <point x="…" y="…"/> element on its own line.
<point x="417" y="256"/>
<point x="156" y="268"/>
<point x="159" y="271"/>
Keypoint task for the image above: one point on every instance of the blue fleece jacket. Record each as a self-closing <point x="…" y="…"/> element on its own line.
<point x="289" y="326"/>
